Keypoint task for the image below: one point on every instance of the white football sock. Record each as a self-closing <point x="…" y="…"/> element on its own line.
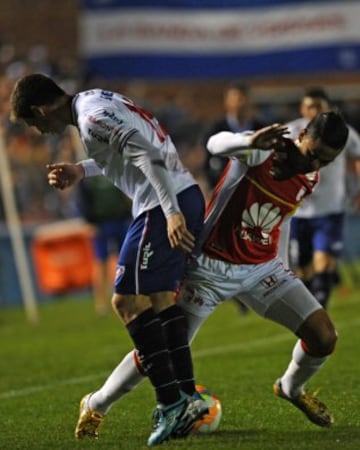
<point x="123" y="379"/>
<point x="301" y="368"/>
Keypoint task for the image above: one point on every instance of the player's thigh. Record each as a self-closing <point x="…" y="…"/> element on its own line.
<point x="280" y="296"/>
<point x="117" y="230"/>
<point x="293" y="307"/>
<point x="207" y="285"/>
<point x="147" y="264"/>
<point x="194" y="323"/>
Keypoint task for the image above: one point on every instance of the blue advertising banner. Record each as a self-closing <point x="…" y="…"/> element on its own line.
<point x="218" y="39"/>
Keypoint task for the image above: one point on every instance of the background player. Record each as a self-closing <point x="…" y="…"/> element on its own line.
<point x="108" y="210"/>
<point x="317" y="229"/>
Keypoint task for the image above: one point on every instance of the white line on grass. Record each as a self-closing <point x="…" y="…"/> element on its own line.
<point x="222" y="349"/>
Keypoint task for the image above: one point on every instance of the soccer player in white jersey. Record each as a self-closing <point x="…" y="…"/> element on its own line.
<point x="128" y="145"/>
<point x="317" y="228"/>
<point x="246" y="220"/>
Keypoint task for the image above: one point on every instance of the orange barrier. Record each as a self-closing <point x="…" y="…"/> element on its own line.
<point x="63" y="256"/>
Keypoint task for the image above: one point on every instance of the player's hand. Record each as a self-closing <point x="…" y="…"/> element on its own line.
<point x="178" y="234"/>
<point x="269" y="137"/>
<point x="64" y="175"/>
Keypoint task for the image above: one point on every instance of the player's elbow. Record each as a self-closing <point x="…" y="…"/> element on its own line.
<point x="215" y="143"/>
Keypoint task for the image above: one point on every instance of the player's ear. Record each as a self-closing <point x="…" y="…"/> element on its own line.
<point x="38" y="111"/>
<point x="302" y="134"/>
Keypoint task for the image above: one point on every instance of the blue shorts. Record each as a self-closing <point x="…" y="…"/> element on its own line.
<point x="109" y="237"/>
<point x="147" y="264"/>
<point x="324" y="234"/>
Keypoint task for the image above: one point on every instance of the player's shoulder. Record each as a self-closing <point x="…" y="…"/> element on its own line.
<point x="99" y="108"/>
<point x="94" y="98"/>
<point x="352" y="146"/>
<point x="299" y="121"/>
<point x="295" y="126"/>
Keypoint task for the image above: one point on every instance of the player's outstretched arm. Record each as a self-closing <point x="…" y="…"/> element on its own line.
<point x="226" y="143"/>
<point x="269" y="137"/>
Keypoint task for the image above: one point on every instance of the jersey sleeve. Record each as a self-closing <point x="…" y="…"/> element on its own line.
<point x="352" y="147"/>
<point x="103" y="130"/>
<point x="148" y="158"/>
<point x="91" y="169"/>
<point x="236" y="145"/>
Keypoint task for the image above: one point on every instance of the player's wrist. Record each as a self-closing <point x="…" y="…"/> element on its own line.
<point x="80" y="171"/>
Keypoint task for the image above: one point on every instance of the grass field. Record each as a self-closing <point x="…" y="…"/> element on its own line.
<point x="46" y="369"/>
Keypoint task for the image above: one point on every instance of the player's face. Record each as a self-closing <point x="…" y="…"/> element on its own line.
<point x="311" y="107"/>
<point x="46" y="124"/>
<point x="315" y="152"/>
<point x="306" y="156"/>
<point x="46" y="119"/>
<point x="235" y="100"/>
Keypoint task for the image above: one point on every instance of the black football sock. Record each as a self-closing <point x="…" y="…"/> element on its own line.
<point x="321" y="287"/>
<point x="175" y="329"/>
<point x="148" y="336"/>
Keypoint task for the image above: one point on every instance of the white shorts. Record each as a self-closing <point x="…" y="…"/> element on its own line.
<point x="269" y="289"/>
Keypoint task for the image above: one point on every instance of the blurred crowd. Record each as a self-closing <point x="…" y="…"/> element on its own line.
<point x="29" y="152"/>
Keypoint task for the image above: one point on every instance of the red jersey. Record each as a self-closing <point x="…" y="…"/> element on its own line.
<point x="247" y="227"/>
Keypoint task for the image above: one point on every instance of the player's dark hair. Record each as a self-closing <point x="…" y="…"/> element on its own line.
<point x="331" y="128"/>
<point x="318" y="93"/>
<point x="239" y="86"/>
<point x="33" y="90"/>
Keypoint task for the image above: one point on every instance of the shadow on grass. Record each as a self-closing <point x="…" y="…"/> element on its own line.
<point x="325" y="439"/>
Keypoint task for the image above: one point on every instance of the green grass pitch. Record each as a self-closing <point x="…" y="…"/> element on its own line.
<point x="46" y="369"/>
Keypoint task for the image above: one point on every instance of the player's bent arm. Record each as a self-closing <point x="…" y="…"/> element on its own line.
<point x="63" y="175"/>
<point x="148" y="158"/>
<point x="230" y="144"/>
<point x="91" y="169"/>
<point x="235" y="144"/>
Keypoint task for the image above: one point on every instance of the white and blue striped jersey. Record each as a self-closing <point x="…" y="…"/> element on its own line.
<point x="128" y="145"/>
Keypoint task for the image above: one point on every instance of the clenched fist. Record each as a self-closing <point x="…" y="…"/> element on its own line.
<point x="63" y="175"/>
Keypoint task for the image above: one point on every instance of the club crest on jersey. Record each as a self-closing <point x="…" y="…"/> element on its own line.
<point x="146" y="255"/>
<point x="258" y="222"/>
<point x="120" y="271"/>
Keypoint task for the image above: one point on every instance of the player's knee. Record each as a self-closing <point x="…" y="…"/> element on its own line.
<point x="129" y="307"/>
<point x="119" y="304"/>
<point x="326" y="342"/>
<point x="318" y="334"/>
